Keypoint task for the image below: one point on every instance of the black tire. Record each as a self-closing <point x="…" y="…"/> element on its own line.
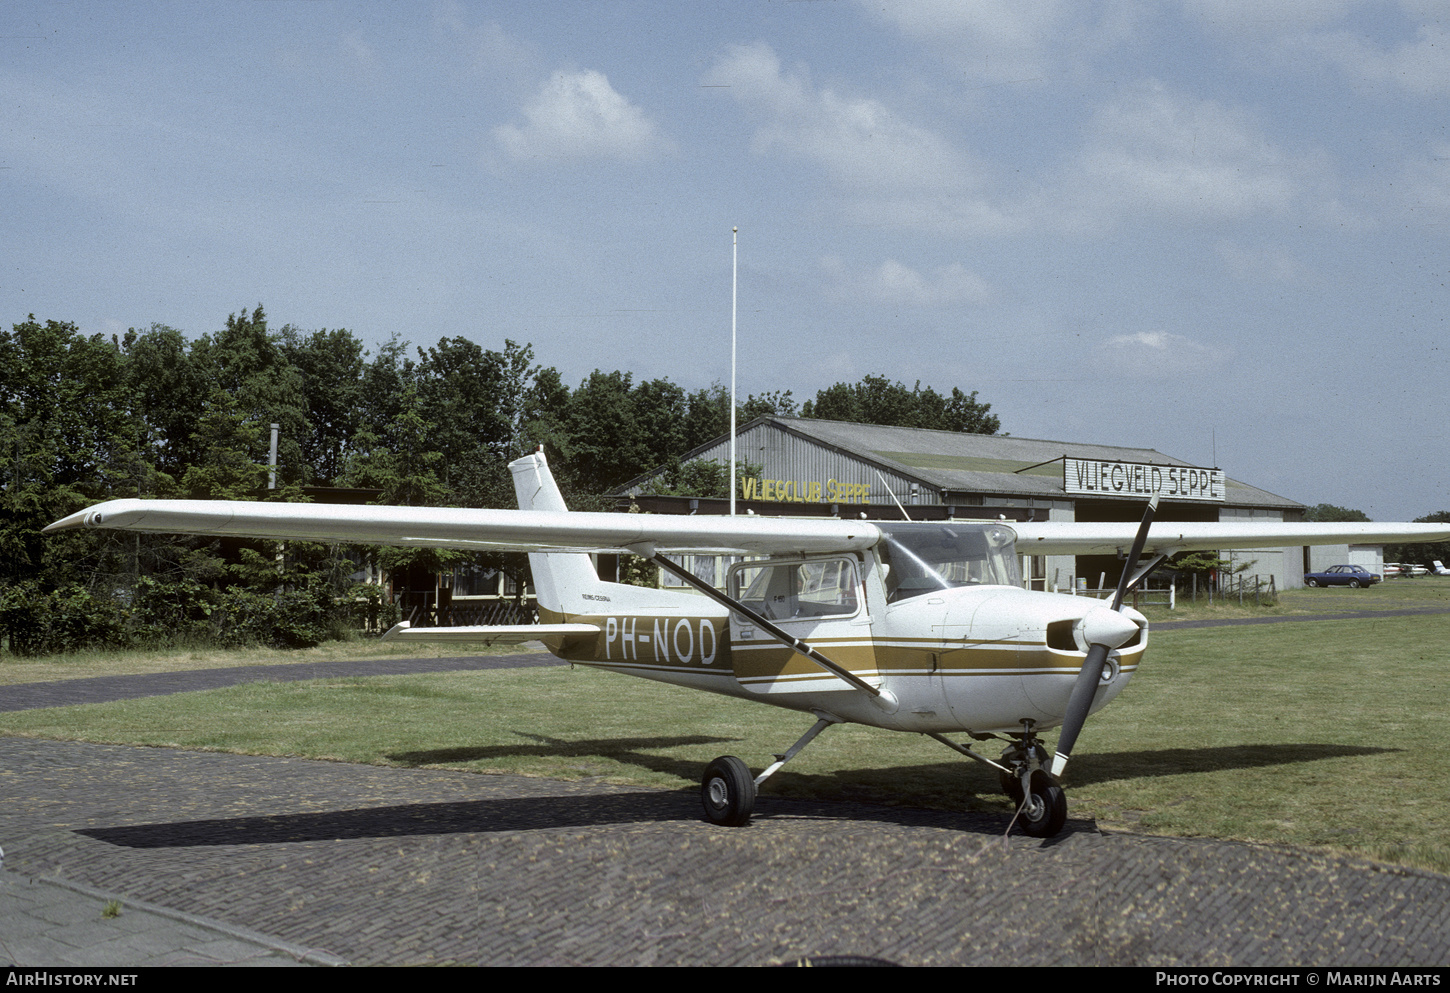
<point x="1354" y="584"/>
<point x="1311" y="582"/>
<point x="727" y="792"/>
<point x="1046" y="813"/>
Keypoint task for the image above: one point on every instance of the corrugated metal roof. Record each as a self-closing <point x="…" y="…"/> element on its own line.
<point x="955" y="462"/>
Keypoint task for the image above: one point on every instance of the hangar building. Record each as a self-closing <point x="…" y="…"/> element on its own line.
<point x="799" y="466"/>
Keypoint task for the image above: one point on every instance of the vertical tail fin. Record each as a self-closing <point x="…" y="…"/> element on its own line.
<point x="559" y="577"/>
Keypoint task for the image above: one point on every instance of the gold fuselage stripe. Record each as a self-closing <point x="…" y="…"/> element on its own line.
<point x="674" y="643"/>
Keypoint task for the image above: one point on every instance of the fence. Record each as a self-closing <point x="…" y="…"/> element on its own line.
<point x="1255" y="590"/>
<point x="471" y="614"/>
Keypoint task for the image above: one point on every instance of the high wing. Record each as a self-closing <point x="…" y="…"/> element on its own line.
<point x="1171" y="537"/>
<point x="477" y="530"/>
<point x="565" y="531"/>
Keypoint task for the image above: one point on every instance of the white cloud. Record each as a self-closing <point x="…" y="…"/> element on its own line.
<point x="1409" y="49"/>
<point x="1258" y="18"/>
<point x="898" y="172"/>
<point x="1154" y="151"/>
<point x="579" y="115"/>
<point x="894" y="283"/>
<point x="484" y="49"/>
<point x="1265" y="265"/>
<point x="1425" y="189"/>
<point x="348" y="57"/>
<point x="858" y="141"/>
<point x="1421" y="66"/>
<point x="999" y="40"/>
<point x="1157" y="354"/>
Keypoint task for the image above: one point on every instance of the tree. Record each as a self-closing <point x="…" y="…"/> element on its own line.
<point x="606" y="444"/>
<point x="1422" y="553"/>
<point x="68" y="437"/>
<point x="407" y="469"/>
<point x="249" y="365"/>
<point x="777" y="403"/>
<point x="460" y="393"/>
<point x="330" y="364"/>
<point x="702" y="478"/>
<point x="229" y="465"/>
<point x="877" y="400"/>
<point x="1328" y="513"/>
<point x="170" y="391"/>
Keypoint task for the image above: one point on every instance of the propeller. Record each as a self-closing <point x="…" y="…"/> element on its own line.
<point x="1103" y="630"/>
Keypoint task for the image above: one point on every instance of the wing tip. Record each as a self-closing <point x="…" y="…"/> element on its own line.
<point x="77" y="520"/>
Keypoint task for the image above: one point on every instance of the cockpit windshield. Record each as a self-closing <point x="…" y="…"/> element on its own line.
<point x="921" y="557"/>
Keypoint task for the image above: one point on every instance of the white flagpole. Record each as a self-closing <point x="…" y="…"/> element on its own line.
<point x="734" y="289"/>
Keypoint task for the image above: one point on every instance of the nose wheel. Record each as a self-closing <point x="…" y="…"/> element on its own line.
<point x="1039" y="798"/>
<point x="1044" y="811"/>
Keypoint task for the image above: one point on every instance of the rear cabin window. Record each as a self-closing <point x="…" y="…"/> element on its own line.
<point x="786" y="590"/>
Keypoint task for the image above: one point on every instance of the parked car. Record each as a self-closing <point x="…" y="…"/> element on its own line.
<point x="1353" y="576"/>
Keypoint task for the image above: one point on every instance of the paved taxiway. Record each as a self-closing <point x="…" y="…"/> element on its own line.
<point x="226" y="858"/>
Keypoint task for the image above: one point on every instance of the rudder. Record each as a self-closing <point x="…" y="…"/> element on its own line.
<point x="560" y="578"/>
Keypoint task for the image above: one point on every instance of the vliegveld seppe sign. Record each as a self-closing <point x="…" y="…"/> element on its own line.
<point x="1091" y="477"/>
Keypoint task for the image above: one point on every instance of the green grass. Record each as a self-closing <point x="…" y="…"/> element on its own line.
<point x="1321" y="733"/>
<point x="1427" y="593"/>
<point x="80" y="665"/>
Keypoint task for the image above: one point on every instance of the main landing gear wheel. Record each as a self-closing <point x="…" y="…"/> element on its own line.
<point x="727" y="792"/>
<point x="1045" y="811"/>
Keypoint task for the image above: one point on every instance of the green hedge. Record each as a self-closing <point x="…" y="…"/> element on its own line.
<point x="35" y="622"/>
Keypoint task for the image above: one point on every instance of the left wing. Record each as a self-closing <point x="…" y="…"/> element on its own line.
<point x="477" y="530"/>
<point x="566" y="531"/>
<point x="1171" y="537"/>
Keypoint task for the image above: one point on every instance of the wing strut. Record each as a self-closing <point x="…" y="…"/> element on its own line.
<point x="786" y="639"/>
<point x="1147" y="570"/>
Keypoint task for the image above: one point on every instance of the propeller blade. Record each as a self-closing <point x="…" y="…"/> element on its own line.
<point x="1139" y="540"/>
<point x="1091" y="673"/>
<point x="1078" y="705"/>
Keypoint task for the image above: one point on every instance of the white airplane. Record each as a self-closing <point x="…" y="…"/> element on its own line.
<point x="918" y="627"/>
<point x="1440" y="569"/>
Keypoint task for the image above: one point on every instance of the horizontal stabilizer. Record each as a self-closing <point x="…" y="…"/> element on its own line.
<point x="500" y="634"/>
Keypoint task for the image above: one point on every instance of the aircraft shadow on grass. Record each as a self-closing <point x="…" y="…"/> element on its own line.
<point x="862" y="795"/>
<point x="1106" y="767"/>
<point x="633" y="751"/>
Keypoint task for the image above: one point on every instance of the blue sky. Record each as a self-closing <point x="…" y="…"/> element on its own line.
<point x="1210" y="227"/>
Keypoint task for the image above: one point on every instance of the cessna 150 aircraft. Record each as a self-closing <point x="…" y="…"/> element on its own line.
<point x="910" y="626"/>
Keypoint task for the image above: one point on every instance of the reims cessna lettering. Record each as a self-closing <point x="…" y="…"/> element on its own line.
<point x="909" y="626"/>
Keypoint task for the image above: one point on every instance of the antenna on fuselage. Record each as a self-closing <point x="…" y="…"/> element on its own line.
<point x="904" y="515"/>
